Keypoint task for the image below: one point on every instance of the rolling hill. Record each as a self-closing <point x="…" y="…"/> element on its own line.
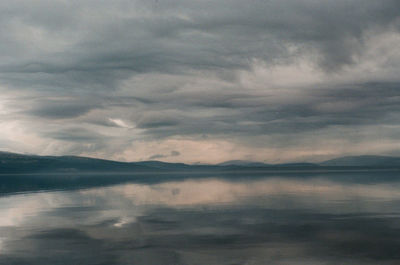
<point x="19" y="163"/>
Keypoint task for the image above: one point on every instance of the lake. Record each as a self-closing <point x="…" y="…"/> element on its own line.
<point x="308" y="219"/>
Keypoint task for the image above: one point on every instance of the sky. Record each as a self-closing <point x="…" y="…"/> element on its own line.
<point x="200" y="81"/>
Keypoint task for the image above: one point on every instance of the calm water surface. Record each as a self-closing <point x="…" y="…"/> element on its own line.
<point x="263" y="220"/>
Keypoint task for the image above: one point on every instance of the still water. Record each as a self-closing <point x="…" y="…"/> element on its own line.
<point x="206" y="221"/>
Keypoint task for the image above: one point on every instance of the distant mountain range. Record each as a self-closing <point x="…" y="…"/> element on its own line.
<point x="27" y="173"/>
<point x="345" y="161"/>
<point x="244" y="163"/>
<point x="365" y="160"/>
<point x="19" y="163"/>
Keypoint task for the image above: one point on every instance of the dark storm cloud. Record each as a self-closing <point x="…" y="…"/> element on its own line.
<point x="352" y="105"/>
<point x="156" y="121"/>
<point x="159" y="69"/>
<point x="60" y="109"/>
<point x="103" y="43"/>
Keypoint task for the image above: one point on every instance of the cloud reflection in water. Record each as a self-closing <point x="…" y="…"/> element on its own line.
<point x="208" y="221"/>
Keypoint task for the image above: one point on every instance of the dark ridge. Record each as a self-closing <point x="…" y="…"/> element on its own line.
<point x="365" y="160"/>
<point x="11" y="163"/>
<point x="28" y="173"/>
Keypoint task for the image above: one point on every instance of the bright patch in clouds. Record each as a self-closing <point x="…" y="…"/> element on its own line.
<point x="119" y="123"/>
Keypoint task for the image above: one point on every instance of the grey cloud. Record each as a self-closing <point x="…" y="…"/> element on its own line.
<point x="60" y="109"/>
<point x="175" y="153"/>
<point x="349" y="107"/>
<point x="157" y="156"/>
<point x="173" y="69"/>
<point x="76" y="135"/>
<point x="157" y="120"/>
<point x="195" y="35"/>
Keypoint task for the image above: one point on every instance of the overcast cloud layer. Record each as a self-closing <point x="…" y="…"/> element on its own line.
<point x="200" y="81"/>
